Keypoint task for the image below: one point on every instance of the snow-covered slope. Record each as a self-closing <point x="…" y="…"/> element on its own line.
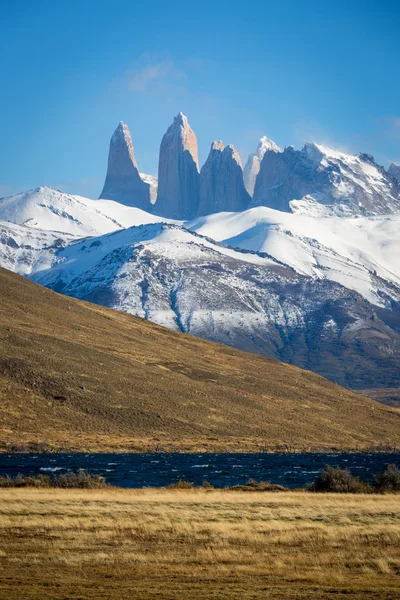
<point x="51" y="210"/>
<point x="360" y="253"/>
<point x="184" y="281"/>
<point x="326" y="182"/>
<point x="22" y="247"/>
<point x="319" y="292"/>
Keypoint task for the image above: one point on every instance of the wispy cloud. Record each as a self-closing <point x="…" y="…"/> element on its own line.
<point x="312" y="131"/>
<point x="151" y="75"/>
<point x="393" y="127"/>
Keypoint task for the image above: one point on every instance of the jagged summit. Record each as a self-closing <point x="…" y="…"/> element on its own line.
<point x="324" y="181"/>
<point x="394" y="171"/>
<point x="218" y="145"/>
<point x="234" y="154"/>
<point x="221" y="181"/>
<point x="252" y="167"/>
<point x="265" y="144"/>
<point x="178" y="171"/>
<point x="123" y="182"/>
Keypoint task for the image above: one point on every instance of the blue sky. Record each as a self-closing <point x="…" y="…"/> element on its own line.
<point x="291" y="70"/>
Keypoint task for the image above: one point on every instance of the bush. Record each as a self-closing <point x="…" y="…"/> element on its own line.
<point x="207" y="485"/>
<point x="340" y="481"/>
<point x="81" y="479"/>
<point x="259" y="486"/>
<point x="39" y="481"/>
<point x="389" y="480"/>
<point x="181" y="485"/>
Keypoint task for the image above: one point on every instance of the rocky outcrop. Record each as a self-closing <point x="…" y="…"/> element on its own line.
<point x="318" y="180"/>
<point x="394" y="171"/>
<point x="221" y="182"/>
<point x="252" y="167"/>
<point x="123" y="182"/>
<point x="178" y="172"/>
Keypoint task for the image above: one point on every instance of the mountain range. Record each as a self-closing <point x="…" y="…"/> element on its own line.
<point x="296" y="257"/>
<point x="314" y="180"/>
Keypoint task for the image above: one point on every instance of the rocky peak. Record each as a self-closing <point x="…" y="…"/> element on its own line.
<point x="394" y="171"/>
<point x="313" y="151"/>
<point x="330" y="180"/>
<point x="178" y="171"/>
<point x="221" y="181"/>
<point x="218" y="145"/>
<point x="123" y="182"/>
<point x="252" y="167"/>
<point x="233" y="154"/>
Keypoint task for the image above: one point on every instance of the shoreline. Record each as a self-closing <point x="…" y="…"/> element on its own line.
<point x="102" y="445"/>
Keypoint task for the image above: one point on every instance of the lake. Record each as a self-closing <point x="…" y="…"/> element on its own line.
<point x="221" y="470"/>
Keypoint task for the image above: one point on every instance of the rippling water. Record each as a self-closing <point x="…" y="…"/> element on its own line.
<point x="158" y="470"/>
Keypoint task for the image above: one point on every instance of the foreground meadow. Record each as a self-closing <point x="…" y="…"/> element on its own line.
<point x="197" y="544"/>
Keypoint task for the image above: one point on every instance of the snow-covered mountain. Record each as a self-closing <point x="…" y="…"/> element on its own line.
<point x="320" y="181"/>
<point x="184" y="281"/>
<point x="51" y="210"/>
<point x="360" y="253"/>
<point x="309" y="274"/>
<point x="315" y="181"/>
<point x="21" y="247"/>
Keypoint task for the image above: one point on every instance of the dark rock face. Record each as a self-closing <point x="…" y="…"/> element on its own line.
<point x="123" y="182"/>
<point x="221" y="182"/>
<point x="334" y="182"/>
<point x="394" y="171"/>
<point x="178" y="172"/>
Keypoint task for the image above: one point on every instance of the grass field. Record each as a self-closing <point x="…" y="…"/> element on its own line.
<point x="197" y="544"/>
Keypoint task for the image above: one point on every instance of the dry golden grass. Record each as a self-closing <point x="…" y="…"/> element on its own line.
<point x="197" y="544"/>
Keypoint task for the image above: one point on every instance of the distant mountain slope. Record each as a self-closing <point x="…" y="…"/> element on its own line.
<point x="320" y="181"/>
<point x="361" y="254"/>
<point x="80" y="376"/>
<point x="22" y="247"/>
<point x="49" y="209"/>
<point x="251" y="301"/>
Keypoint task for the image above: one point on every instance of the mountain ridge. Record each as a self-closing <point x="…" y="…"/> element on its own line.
<point x="104" y="380"/>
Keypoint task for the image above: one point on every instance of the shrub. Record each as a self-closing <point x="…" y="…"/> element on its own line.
<point x="207" y="485"/>
<point x="39" y="481"/>
<point x="259" y="486"/>
<point x="181" y="485"/>
<point x="81" y="479"/>
<point x="389" y="480"/>
<point x="339" y="481"/>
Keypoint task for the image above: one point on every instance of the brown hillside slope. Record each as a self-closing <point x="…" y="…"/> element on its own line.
<point x="80" y="376"/>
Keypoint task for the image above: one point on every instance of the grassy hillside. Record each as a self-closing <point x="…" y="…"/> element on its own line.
<point x="79" y="376"/>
